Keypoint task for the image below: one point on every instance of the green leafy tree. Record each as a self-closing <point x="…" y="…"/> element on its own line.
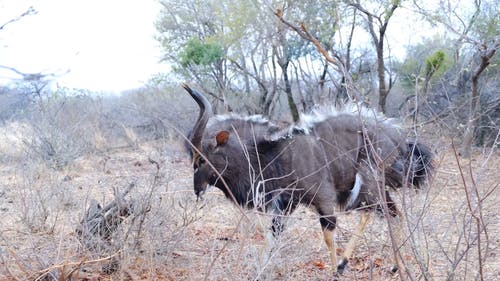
<point x="198" y="53"/>
<point x="433" y="64"/>
<point x="427" y="61"/>
<point x="190" y="35"/>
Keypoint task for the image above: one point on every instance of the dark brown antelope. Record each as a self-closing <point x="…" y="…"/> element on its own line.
<point x="330" y="160"/>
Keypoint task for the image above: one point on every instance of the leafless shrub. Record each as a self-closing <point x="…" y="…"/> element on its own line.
<point x="41" y="200"/>
<point x="63" y="129"/>
<point x="152" y="113"/>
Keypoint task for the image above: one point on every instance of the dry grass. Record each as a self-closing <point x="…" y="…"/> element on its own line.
<point x="181" y="239"/>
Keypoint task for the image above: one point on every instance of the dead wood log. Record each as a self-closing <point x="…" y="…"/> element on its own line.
<point x="98" y="224"/>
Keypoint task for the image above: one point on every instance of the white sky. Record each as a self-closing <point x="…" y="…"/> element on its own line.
<point x="107" y="45"/>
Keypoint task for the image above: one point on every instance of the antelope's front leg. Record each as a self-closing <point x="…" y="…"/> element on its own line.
<point x="328" y="225"/>
<point x="277" y="224"/>
<point x="274" y="231"/>
<point x="271" y="234"/>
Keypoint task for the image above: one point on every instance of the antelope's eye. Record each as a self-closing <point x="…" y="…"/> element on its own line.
<point x="198" y="162"/>
<point x="201" y="160"/>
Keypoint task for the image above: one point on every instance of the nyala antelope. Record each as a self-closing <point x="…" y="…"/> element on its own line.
<point x="330" y="160"/>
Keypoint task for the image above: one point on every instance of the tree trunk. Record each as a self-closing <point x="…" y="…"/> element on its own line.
<point x="283" y="60"/>
<point x="322" y="78"/>
<point x="288" y="89"/>
<point x="382" y="89"/>
<point x="378" y="41"/>
<point x="246" y="77"/>
<point x="474" y="102"/>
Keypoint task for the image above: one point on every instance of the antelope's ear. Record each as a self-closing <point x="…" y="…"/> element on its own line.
<point x="222" y="137"/>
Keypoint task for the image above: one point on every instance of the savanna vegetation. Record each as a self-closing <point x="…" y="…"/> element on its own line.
<point x="99" y="187"/>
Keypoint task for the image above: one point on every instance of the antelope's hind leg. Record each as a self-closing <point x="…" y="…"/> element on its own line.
<point x="396" y="224"/>
<point x="364" y="219"/>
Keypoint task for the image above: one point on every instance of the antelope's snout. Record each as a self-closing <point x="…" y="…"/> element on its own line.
<point x="200" y="183"/>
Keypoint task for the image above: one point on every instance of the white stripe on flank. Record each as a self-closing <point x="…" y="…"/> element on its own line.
<point x="355" y="191"/>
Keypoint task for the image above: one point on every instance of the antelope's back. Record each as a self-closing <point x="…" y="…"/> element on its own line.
<point x="329" y="151"/>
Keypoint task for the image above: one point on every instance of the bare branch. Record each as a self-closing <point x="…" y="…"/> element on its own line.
<point x="302" y="32"/>
<point x="26" y="76"/>
<point x="30" y="11"/>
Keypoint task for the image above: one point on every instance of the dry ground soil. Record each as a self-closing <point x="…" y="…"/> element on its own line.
<point x="177" y="238"/>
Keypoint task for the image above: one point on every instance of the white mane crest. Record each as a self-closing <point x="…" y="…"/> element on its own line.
<point x="257" y="118"/>
<point x="309" y="120"/>
<point x="322" y="113"/>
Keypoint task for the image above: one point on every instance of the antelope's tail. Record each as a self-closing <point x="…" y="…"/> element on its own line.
<point x="419" y="163"/>
<point x="413" y="167"/>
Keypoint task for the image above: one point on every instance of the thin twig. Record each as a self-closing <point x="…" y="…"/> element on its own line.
<point x="41" y="274"/>
<point x="471" y="210"/>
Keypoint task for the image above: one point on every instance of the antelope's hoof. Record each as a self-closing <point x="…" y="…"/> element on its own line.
<point x="341" y="266"/>
<point x="335" y="277"/>
<point x="393" y="269"/>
